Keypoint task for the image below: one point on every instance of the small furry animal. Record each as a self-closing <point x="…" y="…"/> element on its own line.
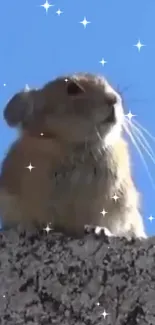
<point x="71" y="132"/>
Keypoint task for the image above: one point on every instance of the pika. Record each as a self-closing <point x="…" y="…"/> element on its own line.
<point x="71" y="132"/>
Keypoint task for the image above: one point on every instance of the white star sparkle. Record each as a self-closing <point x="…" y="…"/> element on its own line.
<point x="30" y="167"/>
<point x="66" y="80"/>
<point x="47" y="229"/>
<point x="103" y="62"/>
<point x="104" y="314"/>
<point x="4" y="85"/>
<point x="130" y="115"/>
<point x="115" y="197"/>
<point x="139" y="45"/>
<point x="46" y="6"/>
<point x="104" y="212"/>
<point x="59" y="12"/>
<point x="41" y="134"/>
<point x="84" y="22"/>
<point x="151" y="218"/>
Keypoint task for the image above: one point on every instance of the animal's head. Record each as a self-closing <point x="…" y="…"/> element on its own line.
<point x="77" y="108"/>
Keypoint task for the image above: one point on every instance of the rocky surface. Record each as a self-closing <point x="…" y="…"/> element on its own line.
<point x="52" y="279"/>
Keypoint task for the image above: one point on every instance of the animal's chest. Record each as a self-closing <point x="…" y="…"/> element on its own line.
<point x="80" y="187"/>
<point x="54" y="191"/>
<point x="80" y="182"/>
<point x="78" y="190"/>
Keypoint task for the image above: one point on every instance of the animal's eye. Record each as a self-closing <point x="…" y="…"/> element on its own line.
<point x="74" y="89"/>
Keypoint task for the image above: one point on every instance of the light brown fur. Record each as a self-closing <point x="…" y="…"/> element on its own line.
<point x="73" y="180"/>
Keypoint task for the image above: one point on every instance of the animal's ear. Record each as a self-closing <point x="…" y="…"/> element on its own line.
<point x="20" y="108"/>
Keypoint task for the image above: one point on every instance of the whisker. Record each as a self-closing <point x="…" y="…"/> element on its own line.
<point x="144" y="129"/>
<point x="98" y="134"/>
<point x="142" y="138"/>
<point x="143" y="146"/>
<point x="124" y="89"/>
<point x="125" y="126"/>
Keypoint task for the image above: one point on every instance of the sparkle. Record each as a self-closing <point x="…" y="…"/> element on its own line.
<point x="139" y="45"/>
<point x="47" y="229"/>
<point x="104" y="314"/>
<point x="115" y="197"/>
<point x="66" y="80"/>
<point x="103" y="62"/>
<point x="30" y="167"/>
<point x="84" y="22"/>
<point x="4" y="296"/>
<point x="4" y="85"/>
<point x="41" y="134"/>
<point x="151" y="218"/>
<point x="104" y="212"/>
<point x="130" y="115"/>
<point x="59" y="12"/>
<point x="46" y="6"/>
<point x="98" y="304"/>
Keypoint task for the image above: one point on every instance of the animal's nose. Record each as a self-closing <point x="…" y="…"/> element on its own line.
<point x="110" y="98"/>
<point x="74" y="89"/>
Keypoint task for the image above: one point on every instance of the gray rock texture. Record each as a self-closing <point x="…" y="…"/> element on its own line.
<point x="50" y="279"/>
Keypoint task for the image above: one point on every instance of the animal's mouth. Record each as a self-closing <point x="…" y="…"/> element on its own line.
<point x="111" y="118"/>
<point x="45" y="134"/>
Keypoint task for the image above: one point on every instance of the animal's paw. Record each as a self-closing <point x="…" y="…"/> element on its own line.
<point x="98" y="230"/>
<point x="106" y="231"/>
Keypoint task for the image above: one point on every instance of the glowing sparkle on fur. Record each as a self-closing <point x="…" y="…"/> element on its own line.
<point x="104" y="212"/>
<point x="84" y="22"/>
<point x="47" y="229"/>
<point x="30" y="167"/>
<point x="130" y="115"/>
<point x="139" y="45"/>
<point x="103" y="62"/>
<point x="151" y="218"/>
<point x="104" y="314"/>
<point x="115" y="197"/>
<point x="46" y="6"/>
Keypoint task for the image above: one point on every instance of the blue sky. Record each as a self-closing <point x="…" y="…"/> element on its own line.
<point x="36" y="46"/>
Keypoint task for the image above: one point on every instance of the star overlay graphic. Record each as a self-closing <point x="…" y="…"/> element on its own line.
<point x="139" y="45"/>
<point x="104" y="212"/>
<point x="84" y="22"/>
<point x="47" y="229"/>
<point x="151" y="218"/>
<point x="46" y="6"/>
<point x="103" y="62"/>
<point x="30" y="167"/>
